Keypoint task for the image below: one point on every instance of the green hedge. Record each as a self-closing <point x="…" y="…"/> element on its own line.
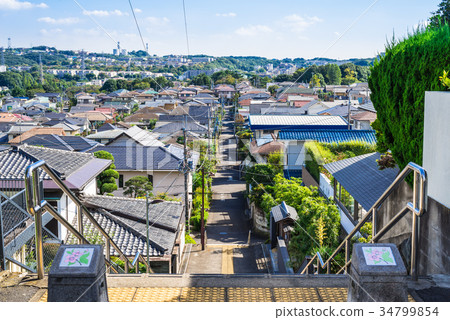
<point x="398" y="83"/>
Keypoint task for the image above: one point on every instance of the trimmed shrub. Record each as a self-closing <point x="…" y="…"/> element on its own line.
<point x="398" y="83"/>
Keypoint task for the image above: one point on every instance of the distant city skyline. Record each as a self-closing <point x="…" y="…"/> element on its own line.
<point x="282" y="29"/>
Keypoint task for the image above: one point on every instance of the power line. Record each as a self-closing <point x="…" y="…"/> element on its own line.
<point x="186" y="28"/>
<point x="137" y="25"/>
<point x="332" y="45"/>
<point x="93" y="20"/>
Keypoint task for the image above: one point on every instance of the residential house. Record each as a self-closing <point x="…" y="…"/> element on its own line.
<point x="18" y="128"/>
<point x="161" y="166"/>
<point x="363" y="120"/>
<point x="224" y="92"/>
<point x="176" y="128"/>
<point x="69" y="129"/>
<point x="313" y="107"/>
<point x="36" y="131"/>
<point x="96" y="119"/>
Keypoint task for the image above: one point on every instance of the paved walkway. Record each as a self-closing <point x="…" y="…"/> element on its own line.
<point x="230" y="245"/>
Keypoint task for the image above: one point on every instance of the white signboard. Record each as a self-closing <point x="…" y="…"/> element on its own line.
<point x="379" y="256"/>
<point x="77" y="257"/>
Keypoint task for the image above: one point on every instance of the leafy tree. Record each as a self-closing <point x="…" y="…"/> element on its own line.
<point x="350" y="77"/>
<point x="332" y="74"/>
<point x="137" y="186"/>
<point x="442" y="15"/>
<point x="109" y="86"/>
<point x="398" y="83"/>
<point x="106" y="181"/>
<point x="90" y="76"/>
<point x="201" y="80"/>
<point x="362" y="73"/>
<point x="317" y="80"/>
<point x="273" y="89"/>
<point x="283" y="78"/>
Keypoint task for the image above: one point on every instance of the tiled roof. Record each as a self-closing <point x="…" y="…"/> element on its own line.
<point x="136" y="157"/>
<point x="63" y="162"/>
<point x="361" y="177"/>
<point x="67" y="126"/>
<point x="106" y="127"/>
<point x="109" y="134"/>
<point x="328" y="135"/>
<point x="164" y="218"/>
<point x="142" y="137"/>
<point x="68" y="143"/>
<point x="283" y="211"/>
<point x="36" y="131"/>
<point x="340" y="110"/>
<point x="368" y="107"/>
<point x="75" y="168"/>
<point x="365" y="116"/>
<point x="177" y="126"/>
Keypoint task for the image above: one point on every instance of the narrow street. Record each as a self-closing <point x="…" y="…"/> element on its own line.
<point x="231" y="248"/>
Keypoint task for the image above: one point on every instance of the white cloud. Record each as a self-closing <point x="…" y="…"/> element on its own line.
<point x="47" y="32"/>
<point x="298" y="24"/>
<point x="156" y="21"/>
<point x="253" y="30"/>
<point x="226" y="15"/>
<point x="104" y="13"/>
<point x="20" y="5"/>
<point x="137" y="10"/>
<point x="49" y="20"/>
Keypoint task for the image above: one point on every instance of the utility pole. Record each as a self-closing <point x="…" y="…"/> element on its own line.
<point x="203" y="210"/>
<point x="349" y="109"/>
<point x="148" y="226"/>
<point x="186" y="179"/>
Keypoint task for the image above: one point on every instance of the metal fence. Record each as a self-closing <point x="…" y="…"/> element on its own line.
<point x="17" y="245"/>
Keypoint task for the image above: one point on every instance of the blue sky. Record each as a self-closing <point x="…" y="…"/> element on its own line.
<point x="273" y="29"/>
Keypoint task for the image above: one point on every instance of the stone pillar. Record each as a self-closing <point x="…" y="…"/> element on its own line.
<point x="377" y="274"/>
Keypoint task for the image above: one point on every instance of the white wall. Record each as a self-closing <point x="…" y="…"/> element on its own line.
<point x="163" y="181"/>
<point x="91" y="188"/>
<point x="436" y="145"/>
<point x="68" y="210"/>
<point x="325" y="186"/>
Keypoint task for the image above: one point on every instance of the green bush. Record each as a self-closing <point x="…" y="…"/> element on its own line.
<point x="398" y="83"/>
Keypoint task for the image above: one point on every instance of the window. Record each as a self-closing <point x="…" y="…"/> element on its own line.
<point x="150" y="178"/>
<point x="120" y="180"/>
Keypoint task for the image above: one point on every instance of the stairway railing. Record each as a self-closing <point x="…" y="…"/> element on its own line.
<point x="36" y="206"/>
<point x="417" y="207"/>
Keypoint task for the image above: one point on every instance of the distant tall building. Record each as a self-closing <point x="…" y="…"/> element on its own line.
<point x="9" y="43"/>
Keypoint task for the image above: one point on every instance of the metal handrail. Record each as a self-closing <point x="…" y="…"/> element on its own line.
<point x="35" y="206"/>
<point x="419" y="195"/>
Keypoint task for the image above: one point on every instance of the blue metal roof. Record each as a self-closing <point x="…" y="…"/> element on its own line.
<point x="328" y="135"/>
